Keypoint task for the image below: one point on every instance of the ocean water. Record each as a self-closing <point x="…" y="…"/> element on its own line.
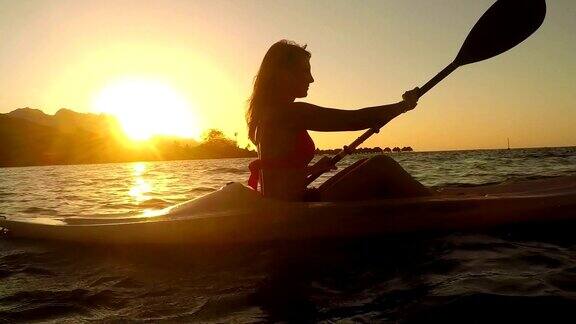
<point x="513" y="275"/>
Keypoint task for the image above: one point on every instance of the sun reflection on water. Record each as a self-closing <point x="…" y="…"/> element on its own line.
<point x="140" y="188"/>
<point x="139" y="168"/>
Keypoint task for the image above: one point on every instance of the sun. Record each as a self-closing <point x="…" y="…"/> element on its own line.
<point x="147" y="107"/>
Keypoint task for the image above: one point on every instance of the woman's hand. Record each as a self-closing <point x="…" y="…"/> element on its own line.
<point x="324" y="164"/>
<point x="389" y="112"/>
<point x="410" y="99"/>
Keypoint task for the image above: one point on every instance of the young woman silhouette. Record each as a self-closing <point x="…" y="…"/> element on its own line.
<point x="278" y="126"/>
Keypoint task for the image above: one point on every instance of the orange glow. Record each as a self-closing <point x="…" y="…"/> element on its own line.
<point x="69" y="53"/>
<point x="147" y="107"/>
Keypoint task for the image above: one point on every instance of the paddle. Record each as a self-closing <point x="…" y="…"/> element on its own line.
<point x="504" y="25"/>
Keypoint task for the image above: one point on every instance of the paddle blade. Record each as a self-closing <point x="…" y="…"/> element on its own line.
<point x="504" y="25"/>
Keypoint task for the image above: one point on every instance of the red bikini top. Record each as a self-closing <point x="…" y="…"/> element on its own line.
<point x="302" y="154"/>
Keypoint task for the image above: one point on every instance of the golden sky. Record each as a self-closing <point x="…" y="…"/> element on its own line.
<point x="202" y="57"/>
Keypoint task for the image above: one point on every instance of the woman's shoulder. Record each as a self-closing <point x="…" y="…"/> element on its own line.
<point x="289" y="115"/>
<point x="300" y="106"/>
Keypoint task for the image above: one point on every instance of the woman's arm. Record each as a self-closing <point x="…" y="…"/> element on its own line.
<point x="308" y="116"/>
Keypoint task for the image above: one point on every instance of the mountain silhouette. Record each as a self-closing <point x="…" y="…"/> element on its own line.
<point x="67" y="121"/>
<point x="31" y="137"/>
<point x="34" y="115"/>
<point x="30" y="143"/>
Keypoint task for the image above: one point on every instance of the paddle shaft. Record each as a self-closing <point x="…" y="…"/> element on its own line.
<point x="349" y="148"/>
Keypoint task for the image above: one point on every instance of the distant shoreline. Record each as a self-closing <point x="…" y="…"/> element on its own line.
<point x="500" y="149"/>
<point x="254" y="156"/>
<point x="119" y="162"/>
<point x="32" y="138"/>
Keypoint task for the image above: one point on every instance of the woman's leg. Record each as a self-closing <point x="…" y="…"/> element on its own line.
<point x="341" y="173"/>
<point x="378" y="177"/>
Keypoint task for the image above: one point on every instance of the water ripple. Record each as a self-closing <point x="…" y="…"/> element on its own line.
<point x="513" y="275"/>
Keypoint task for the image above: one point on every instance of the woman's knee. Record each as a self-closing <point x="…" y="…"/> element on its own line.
<point x="382" y="160"/>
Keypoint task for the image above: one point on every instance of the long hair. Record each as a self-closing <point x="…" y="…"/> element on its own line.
<point x="283" y="55"/>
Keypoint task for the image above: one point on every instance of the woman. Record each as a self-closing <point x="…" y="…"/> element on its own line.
<point x="278" y="126"/>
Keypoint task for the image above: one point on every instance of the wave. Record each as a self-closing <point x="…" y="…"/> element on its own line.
<point x="202" y="190"/>
<point x="6" y="272"/>
<point x="40" y="210"/>
<point x="466" y="185"/>
<point x="155" y="203"/>
<point x="219" y="171"/>
<point x="495" y="308"/>
<point x="49" y="304"/>
<point x="116" y="282"/>
<point x="148" y="203"/>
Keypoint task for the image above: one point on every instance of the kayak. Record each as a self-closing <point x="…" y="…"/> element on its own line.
<point x="237" y="214"/>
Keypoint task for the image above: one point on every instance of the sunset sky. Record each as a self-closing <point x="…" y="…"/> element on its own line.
<point x="201" y="57"/>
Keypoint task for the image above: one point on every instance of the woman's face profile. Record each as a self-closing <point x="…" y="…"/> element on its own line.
<point x="301" y="77"/>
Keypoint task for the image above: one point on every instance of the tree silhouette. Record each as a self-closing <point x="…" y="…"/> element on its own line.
<point x="213" y="134"/>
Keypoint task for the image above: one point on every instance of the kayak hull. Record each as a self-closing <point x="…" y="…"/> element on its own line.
<point x="235" y="214"/>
